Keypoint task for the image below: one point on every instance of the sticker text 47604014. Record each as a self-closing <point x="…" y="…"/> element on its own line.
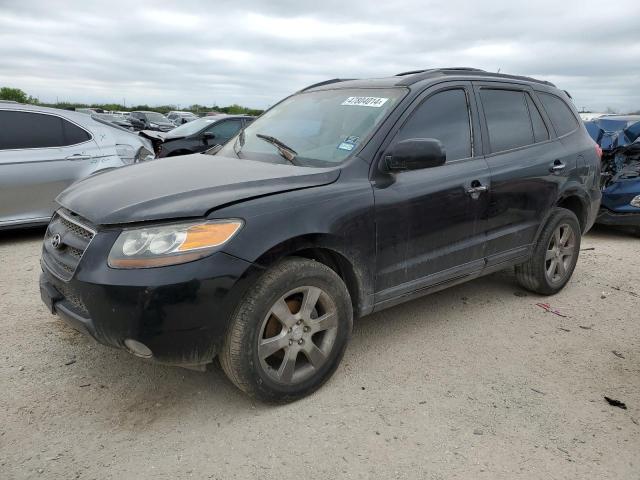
<point x="375" y="102"/>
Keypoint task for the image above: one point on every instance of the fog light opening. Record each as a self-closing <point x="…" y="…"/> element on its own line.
<point x="138" y="349"/>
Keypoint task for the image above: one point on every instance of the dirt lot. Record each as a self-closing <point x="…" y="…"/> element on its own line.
<point x="473" y="382"/>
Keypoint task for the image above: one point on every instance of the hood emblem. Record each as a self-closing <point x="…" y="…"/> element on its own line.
<point x="56" y="241"/>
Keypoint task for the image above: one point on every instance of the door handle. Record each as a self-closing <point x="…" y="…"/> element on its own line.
<point x="477" y="188"/>
<point x="557" y="167"/>
<point x="78" y="156"/>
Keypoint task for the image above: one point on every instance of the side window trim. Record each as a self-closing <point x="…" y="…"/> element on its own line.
<point x="545" y="117"/>
<point x="529" y="98"/>
<point x="51" y="115"/>
<point x="424" y="98"/>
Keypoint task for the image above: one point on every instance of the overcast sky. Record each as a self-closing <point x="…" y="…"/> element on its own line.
<point x="256" y="52"/>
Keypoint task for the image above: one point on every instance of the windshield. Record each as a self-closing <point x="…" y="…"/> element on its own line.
<point x="323" y="128"/>
<point x="192" y="127"/>
<point x="109" y="117"/>
<point x="156" y="117"/>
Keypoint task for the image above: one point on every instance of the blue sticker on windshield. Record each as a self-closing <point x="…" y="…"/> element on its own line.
<point x="349" y="143"/>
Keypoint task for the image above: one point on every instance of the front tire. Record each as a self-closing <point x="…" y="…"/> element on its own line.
<point x="289" y="333"/>
<point x="554" y="256"/>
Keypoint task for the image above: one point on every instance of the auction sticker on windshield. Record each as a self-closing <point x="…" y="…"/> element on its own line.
<point x="375" y="102"/>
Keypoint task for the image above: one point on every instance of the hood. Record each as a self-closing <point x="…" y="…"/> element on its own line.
<point x="159" y="137"/>
<point x="182" y="187"/>
<point x="153" y="135"/>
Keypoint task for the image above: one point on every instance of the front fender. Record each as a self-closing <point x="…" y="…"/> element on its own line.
<point x="336" y="217"/>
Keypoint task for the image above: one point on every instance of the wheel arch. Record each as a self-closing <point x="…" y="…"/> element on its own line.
<point x="575" y="202"/>
<point x="329" y="251"/>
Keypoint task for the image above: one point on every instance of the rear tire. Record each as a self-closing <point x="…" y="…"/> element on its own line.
<point x="554" y="256"/>
<point x="289" y="333"/>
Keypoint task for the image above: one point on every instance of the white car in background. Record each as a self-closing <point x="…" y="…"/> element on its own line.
<point x="44" y="150"/>
<point x="588" y="116"/>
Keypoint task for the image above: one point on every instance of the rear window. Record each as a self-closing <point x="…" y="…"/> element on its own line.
<point x="507" y="117"/>
<point x="559" y="112"/>
<point x="36" y="130"/>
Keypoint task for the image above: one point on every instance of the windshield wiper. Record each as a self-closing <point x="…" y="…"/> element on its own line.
<point x="283" y="149"/>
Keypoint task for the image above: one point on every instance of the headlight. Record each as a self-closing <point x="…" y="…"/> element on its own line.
<point x="635" y="201"/>
<point x="143" y="155"/>
<point x="126" y="153"/>
<point x="170" y="244"/>
<point x="154" y="125"/>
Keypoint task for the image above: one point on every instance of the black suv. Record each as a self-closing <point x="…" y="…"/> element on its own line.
<point x="346" y="198"/>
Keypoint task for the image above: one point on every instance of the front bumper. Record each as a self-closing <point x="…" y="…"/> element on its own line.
<point x="626" y="219"/>
<point x="180" y="312"/>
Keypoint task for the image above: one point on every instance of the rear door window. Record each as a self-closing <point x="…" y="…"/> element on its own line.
<point x="507" y="118"/>
<point x="445" y="117"/>
<point x="36" y="130"/>
<point x="559" y="112"/>
<point x="540" y="131"/>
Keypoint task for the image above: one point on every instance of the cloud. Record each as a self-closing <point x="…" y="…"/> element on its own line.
<point x="255" y="52"/>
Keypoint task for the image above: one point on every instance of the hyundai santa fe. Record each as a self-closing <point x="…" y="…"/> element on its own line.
<point x="345" y="198"/>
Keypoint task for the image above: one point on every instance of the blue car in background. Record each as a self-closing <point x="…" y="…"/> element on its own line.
<point x="619" y="138"/>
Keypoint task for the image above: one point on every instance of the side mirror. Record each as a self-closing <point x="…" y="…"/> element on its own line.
<point x="414" y="154"/>
<point x="208" y="136"/>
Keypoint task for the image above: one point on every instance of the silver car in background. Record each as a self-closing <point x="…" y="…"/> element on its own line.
<point x="44" y="150"/>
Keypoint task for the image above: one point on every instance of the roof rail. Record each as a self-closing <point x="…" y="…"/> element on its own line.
<point x="464" y="69"/>
<point x="326" y="82"/>
<point x="417" y="76"/>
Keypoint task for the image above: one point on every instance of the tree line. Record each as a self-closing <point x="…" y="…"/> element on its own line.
<point x="18" y="95"/>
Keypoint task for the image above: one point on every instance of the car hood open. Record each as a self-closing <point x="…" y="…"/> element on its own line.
<point x="183" y="187"/>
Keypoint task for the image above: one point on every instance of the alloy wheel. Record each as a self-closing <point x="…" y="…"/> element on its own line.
<point x="560" y="253"/>
<point x="297" y="335"/>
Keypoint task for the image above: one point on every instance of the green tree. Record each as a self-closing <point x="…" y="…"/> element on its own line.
<point x="14" y="94"/>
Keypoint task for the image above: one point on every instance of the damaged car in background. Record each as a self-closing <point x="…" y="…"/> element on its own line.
<point x="44" y="150"/>
<point x="152" y="121"/>
<point x="197" y="136"/>
<point x="619" y="139"/>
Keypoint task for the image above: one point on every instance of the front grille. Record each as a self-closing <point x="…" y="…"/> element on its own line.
<point x="65" y="241"/>
<point x="71" y="299"/>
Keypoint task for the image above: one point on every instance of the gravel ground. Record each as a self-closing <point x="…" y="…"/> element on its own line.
<point x="472" y="382"/>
